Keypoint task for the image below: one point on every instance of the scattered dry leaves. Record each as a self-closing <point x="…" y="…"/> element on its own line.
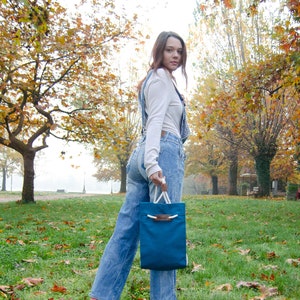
<point x="266" y="292"/>
<point x="29" y="281"/>
<point x="197" y="267"/>
<point x="225" y="287"/>
<point x="293" y="261"/>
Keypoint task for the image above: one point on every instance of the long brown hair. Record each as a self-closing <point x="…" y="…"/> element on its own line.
<point x="158" y="53"/>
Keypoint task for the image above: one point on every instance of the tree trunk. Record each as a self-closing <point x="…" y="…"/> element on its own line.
<point x="233" y="173"/>
<point x="3" y="189"/>
<point x="262" y="166"/>
<point x="28" y="181"/>
<point x="123" y="178"/>
<point x="215" y="188"/>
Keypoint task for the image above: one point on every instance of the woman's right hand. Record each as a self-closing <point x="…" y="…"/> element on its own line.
<point x="159" y="180"/>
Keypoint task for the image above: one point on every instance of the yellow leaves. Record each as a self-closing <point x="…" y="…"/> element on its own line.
<point x="61" y="40"/>
<point x="279" y="29"/>
<point x="253" y="9"/>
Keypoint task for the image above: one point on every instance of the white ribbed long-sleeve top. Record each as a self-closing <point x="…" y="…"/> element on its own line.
<point x="164" y="109"/>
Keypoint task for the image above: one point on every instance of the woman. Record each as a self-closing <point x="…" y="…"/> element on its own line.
<point x="158" y="161"/>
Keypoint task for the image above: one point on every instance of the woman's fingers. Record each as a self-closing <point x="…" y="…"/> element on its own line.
<point x="159" y="180"/>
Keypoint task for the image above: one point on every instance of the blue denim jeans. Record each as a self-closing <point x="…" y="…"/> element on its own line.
<point x="120" y="251"/>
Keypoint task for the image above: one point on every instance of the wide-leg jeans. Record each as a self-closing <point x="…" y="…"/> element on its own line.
<point x="120" y="251"/>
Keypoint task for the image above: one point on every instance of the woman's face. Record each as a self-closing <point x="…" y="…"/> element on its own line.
<point x="172" y="54"/>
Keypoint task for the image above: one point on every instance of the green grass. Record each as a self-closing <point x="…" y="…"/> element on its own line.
<point x="230" y="239"/>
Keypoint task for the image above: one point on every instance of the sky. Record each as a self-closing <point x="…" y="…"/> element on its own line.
<point x="77" y="169"/>
<point x="169" y="15"/>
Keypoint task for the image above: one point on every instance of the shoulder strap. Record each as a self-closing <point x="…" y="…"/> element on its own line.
<point x="142" y="101"/>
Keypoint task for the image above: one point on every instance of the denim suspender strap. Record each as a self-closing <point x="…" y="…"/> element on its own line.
<point x="184" y="127"/>
<point x="142" y="103"/>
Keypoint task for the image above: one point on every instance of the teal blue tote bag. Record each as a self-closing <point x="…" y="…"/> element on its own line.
<point x="163" y="235"/>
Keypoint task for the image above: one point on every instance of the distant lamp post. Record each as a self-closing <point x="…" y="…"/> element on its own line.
<point x="11" y="181"/>
<point x="83" y="190"/>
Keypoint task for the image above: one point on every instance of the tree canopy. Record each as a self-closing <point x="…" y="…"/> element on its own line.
<point x="55" y="73"/>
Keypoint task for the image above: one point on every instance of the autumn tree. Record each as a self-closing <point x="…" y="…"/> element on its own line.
<point x="269" y="102"/>
<point x="205" y="156"/>
<point x="239" y="39"/>
<point x="55" y="73"/>
<point x="245" y="39"/>
<point x="113" y="150"/>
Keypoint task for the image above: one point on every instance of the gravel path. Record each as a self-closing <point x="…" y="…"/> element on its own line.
<point x="7" y="198"/>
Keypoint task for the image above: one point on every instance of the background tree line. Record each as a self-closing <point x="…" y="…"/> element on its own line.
<point x="247" y="99"/>
<point x="60" y="77"/>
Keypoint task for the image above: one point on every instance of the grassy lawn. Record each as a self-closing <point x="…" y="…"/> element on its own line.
<point x="239" y="248"/>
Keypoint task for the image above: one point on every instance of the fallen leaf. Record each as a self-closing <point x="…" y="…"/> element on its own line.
<point x="29" y="281"/>
<point x="271" y="255"/>
<point x="70" y="223"/>
<point x="269" y="291"/>
<point x="92" y="245"/>
<point x="266" y="291"/>
<point x="248" y="284"/>
<point x="61" y="246"/>
<point x="197" y="268"/>
<point x="11" y="240"/>
<point x="5" y="288"/>
<point x="225" y="287"/>
<point x="267" y="278"/>
<point x="238" y="241"/>
<point x="270" y="267"/>
<point x="29" y="260"/>
<point x="216" y="245"/>
<point x="37" y="293"/>
<point x="244" y="251"/>
<point x="208" y="283"/>
<point x="293" y="261"/>
<point x="19" y="287"/>
<point x="190" y="245"/>
<point x="66" y="262"/>
<point x="59" y="289"/>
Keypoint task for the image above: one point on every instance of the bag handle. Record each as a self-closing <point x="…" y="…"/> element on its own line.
<point x="163" y="194"/>
<point x="162" y="217"/>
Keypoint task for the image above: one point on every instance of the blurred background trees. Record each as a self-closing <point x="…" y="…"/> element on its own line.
<point x="246" y="54"/>
<point x="72" y="74"/>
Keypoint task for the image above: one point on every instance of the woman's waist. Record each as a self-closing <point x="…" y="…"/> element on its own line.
<point x="165" y="136"/>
